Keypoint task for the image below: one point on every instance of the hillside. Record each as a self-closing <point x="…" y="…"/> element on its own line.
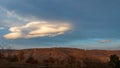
<point x="64" y="56"/>
<point x="64" y="53"/>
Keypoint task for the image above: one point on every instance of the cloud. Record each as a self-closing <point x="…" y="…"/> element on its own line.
<point x="1" y="28"/>
<point x="13" y="14"/>
<point x="37" y="29"/>
<point x="105" y="41"/>
<point x="11" y="18"/>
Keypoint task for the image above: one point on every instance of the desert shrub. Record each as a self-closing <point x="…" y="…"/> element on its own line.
<point x="31" y="60"/>
<point x="72" y="61"/>
<point x="1" y="56"/>
<point x="51" y="60"/>
<point x="114" y="62"/>
<point x="93" y="63"/>
<point x="21" y="56"/>
<point x="12" y="58"/>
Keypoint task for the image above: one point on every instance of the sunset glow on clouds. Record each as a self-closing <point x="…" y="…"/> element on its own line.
<point x="37" y="29"/>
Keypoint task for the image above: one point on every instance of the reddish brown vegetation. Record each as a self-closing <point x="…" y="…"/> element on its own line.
<point x="60" y="58"/>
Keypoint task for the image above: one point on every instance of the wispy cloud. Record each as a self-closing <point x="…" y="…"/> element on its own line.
<point x="37" y="29"/>
<point x="1" y="28"/>
<point x="105" y="41"/>
<point x="11" y="18"/>
<point x="13" y="14"/>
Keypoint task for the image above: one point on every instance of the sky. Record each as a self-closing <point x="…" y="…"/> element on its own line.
<point x="88" y="24"/>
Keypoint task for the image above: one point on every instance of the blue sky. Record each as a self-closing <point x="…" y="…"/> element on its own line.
<point x="91" y="24"/>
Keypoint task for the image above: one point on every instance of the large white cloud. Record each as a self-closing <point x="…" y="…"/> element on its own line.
<point x="37" y="29"/>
